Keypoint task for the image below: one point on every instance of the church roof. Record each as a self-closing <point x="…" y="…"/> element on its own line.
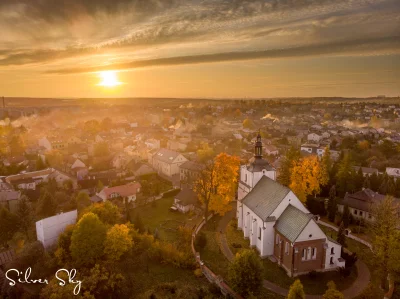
<point x="292" y="222"/>
<point x="265" y="197"/>
<point x="258" y="164"/>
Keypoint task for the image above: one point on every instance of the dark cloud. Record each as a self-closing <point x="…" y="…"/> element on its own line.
<point x="356" y="47"/>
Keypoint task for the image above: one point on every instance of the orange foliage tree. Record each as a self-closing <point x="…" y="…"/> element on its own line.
<point x="217" y="183"/>
<point x="308" y="175"/>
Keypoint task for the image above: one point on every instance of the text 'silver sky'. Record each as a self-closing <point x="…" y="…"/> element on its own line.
<point x="208" y="48"/>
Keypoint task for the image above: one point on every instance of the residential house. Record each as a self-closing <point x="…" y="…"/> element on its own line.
<point x="393" y="172"/>
<point x="186" y="200"/>
<point x="366" y="171"/>
<point x="167" y="162"/>
<point x="140" y="169"/>
<point x="189" y="172"/>
<point x="315" y="149"/>
<point x="279" y="225"/>
<point x="126" y="192"/>
<point x="271" y="150"/>
<point x="361" y="203"/>
<point x="10" y="200"/>
<point x="314" y="137"/>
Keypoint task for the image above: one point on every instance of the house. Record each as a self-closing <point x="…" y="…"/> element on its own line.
<point x="167" y="162"/>
<point x="361" y="203"/>
<point x="29" y="180"/>
<point x="279" y="225"/>
<point x="189" y="171"/>
<point x="271" y="150"/>
<point x="366" y="171"/>
<point x="152" y="143"/>
<point x="393" y="172"/>
<point x="313" y="137"/>
<point x="186" y="200"/>
<point x="48" y="229"/>
<point x="315" y="149"/>
<point x="10" y="199"/>
<point x="127" y="192"/>
<point x="140" y="169"/>
<point x="176" y="145"/>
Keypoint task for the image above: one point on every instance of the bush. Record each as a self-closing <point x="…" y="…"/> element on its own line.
<point x="234" y="223"/>
<point x="350" y="258"/>
<point x="198" y="272"/>
<point x="236" y="245"/>
<point x="201" y="240"/>
<point x="171" y="193"/>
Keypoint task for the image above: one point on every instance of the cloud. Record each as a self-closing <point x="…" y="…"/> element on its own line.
<point x="356" y="47"/>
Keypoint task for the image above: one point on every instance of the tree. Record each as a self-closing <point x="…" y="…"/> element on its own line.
<point x="63" y="252"/>
<point x="40" y="164"/>
<point x="99" y="186"/>
<point x="291" y="157"/>
<point x="332" y="292"/>
<point x="385" y="237"/>
<point x="326" y="163"/>
<point x="359" y="179"/>
<point x="17" y="145"/>
<point x="118" y="241"/>
<point x="138" y="224"/>
<point x="245" y="272"/>
<point x="205" y="153"/>
<point x="82" y="200"/>
<point x="107" y="212"/>
<point x="307" y="177"/>
<point x="216" y="184"/>
<point x="296" y="291"/>
<point x="341" y="237"/>
<point x="25" y="216"/>
<point x="367" y="183"/>
<point x="8" y="224"/>
<point x="46" y="205"/>
<point x="87" y="240"/>
<point x="332" y="204"/>
<point x="344" y="176"/>
<point x="248" y="124"/>
<point x="346" y="216"/>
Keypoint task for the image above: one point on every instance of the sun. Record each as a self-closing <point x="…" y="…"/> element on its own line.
<point x="109" y="79"/>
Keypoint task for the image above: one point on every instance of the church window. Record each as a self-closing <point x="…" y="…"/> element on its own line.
<point x="259" y="233"/>
<point x="331" y="261"/>
<point x="304" y="255"/>
<point x="309" y="253"/>
<point x="245" y="177"/>
<point x="333" y="250"/>
<point x="287" y="248"/>
<point x="277" y="239"/>
<point x="314" y="253"/>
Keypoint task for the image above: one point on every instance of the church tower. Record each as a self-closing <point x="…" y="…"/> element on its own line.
<point x="251" y="173"/>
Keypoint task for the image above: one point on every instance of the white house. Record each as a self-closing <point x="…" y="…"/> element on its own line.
<point x="167" y="162"/>
<point x="48" y="229"/>
<point x="393" y="172"/>
<point x="278" y="224"/>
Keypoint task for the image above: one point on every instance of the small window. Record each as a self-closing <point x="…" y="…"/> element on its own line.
<point x="304" y="254"/>
<point x="355" y="212"/>
<point x="245" y="177"/>
<point x="259" y="233"/>
<point x="287" y="248"/>
<point x="333" y="250"/>
<point x="314" y="253"/>
<point x="331" y="261"/>
<point x="277" y="239"/>
<point x="361" y="213"/>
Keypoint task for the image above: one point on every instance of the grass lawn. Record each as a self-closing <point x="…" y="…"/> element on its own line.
<point x="364" y="254"/>
<point x="159" y="216"/>
<point x="213" y="258"/>
<point x="276" y="274"/>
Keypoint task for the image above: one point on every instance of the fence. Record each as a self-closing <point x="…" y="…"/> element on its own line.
<point x="211" y="276"/>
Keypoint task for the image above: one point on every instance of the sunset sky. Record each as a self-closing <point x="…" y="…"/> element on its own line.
<point x="209" y="48"/>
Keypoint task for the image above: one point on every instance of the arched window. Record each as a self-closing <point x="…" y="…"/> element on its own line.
<point x="287" y="248"/>
<point x="331" y="261"/>
<point x="333" y="250"/>
<point x="314" y="253"/>
<point x="245" y="177"/>
<point x="309" y="253"/>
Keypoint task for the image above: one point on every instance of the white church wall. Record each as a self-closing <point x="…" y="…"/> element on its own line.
<point x="311" y="229"/>
<point x="289" y="199"/>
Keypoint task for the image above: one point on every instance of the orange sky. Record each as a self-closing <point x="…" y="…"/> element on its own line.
<point x="216" y="49"/>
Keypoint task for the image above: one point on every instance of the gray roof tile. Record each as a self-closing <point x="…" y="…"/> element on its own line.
<point x="265" y="197"/>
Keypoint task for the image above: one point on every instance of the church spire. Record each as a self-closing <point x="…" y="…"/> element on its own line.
<point x="258" y="147"/>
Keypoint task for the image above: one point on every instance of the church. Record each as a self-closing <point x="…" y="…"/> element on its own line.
<point x="277" y="223"/>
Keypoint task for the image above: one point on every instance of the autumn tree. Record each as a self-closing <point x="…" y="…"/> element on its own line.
<point x="245" y="272"/>
<point x="288" y="161"/>
<point x="82" y="200"/>
<point x="332" y="204"/>
<point x="138" y="224"/>
<point x="216" y="185"/>
<point x="107" y="212"/>
<point x="307" y="177"/>
<point x="296" y="291"/>
<point x="118" y="241"/>
<point x="332" y="292"/>
<point x="87" y="240"/>
<point x="63" y="252"/>
<point x="386" y="237"/>
<point x="248" y="124"/>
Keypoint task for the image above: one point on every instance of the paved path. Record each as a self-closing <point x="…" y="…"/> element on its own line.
<point x="355" y="289"/>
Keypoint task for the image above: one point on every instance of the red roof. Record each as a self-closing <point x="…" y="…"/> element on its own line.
<point x="124" y="190"/>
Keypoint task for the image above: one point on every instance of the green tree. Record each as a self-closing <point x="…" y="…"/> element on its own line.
<point x="25" y="216"/>
<point x="341" y="237"/>
<point x="138" y="224"/>
<point x="386" y="237"/>
<point x="40" y="164"/>
<point x="63" y="252"/>
<point x="367" y="183"/>
<point x="245" y="273"/>
<point x="8" y="224"/>
<point x="344" y="176"/>
<point x="288" y="161"/>
<point x="118" y="241"/>
<point x="332" y="204"/>
<point x="82" y="201"/>
<point x="346" y="216"/>
<point x="46" y="205"/>
<point x="296" y="291"/>
<point x="87" y="240"/>
<point x="359" y="179"/>
<point x="332" y="292"/>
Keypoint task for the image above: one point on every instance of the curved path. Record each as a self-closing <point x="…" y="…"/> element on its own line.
<point x="363" y="274"/>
